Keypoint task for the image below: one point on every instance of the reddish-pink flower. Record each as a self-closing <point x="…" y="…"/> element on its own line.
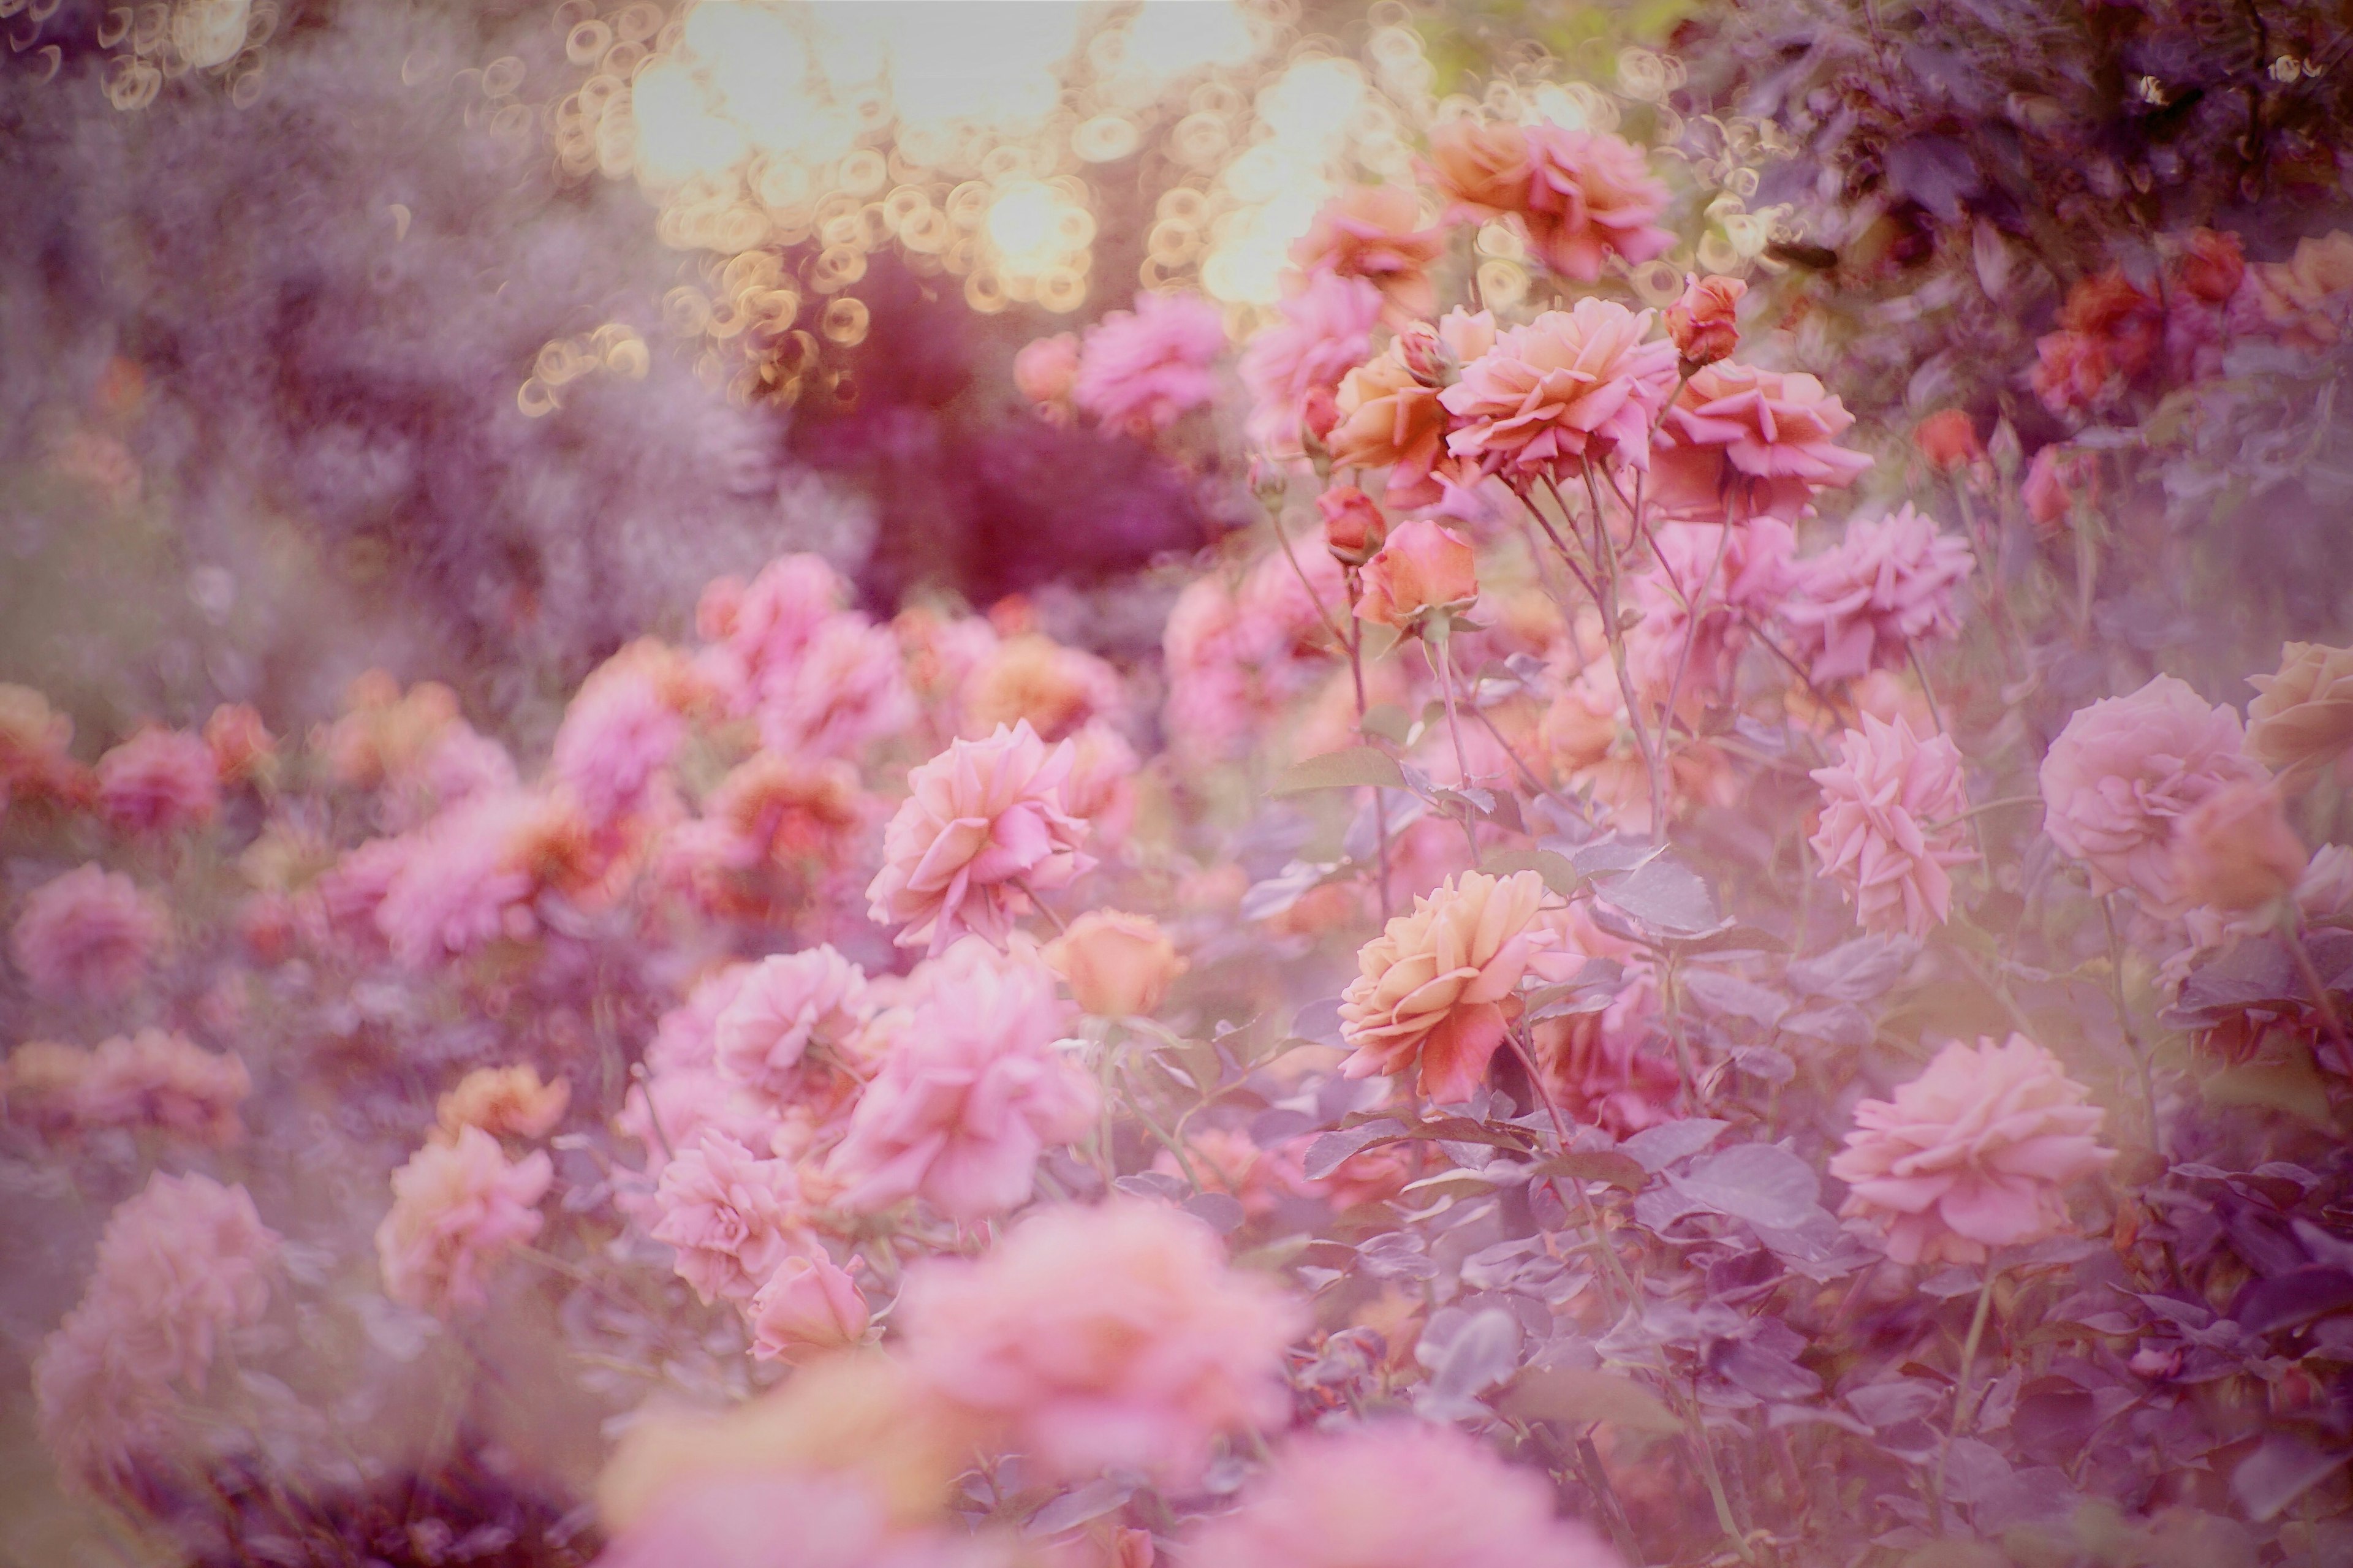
<point x="1974" y="1153"/>
<point x="734" y="1217"/>
<point x="617" y="738"/>
<point x="458" y="1206"/>
<point x="1741" y="442"/>
<point x="1591" y="197"/>
<point x="158" y="781"/>
<point x="1863" y="603"/>
<point x="1107" y="1337"/>
<point x="1890" y="824"/>
<point x="845" y="689"/>
<point x="2124" y="771"/>
<point x="1423" y="570"/>
<point x="2059" y="476"/>
<point x="1145" y="368"/>
<point x="1323" y="330"/>
<point x="983" y="828"/>
<point x="1704" y="323"/>
<point x="2235" y="850"/>
<point x="1570" y="388"/>
<point x="1396" y="1494"/>
<point x="88" y="935"/>
<point x="969" y="1093"/>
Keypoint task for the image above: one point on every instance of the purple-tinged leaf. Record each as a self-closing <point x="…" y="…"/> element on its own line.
<point x="1754" y="1182"/>
<point x="1334" y="1150"/>
<point x="1840" y="1024"/>
<point x="1658" y="1147"/>
<point x="1578" y="1396"/>
<point x="1667" y="897"/>
<point x="2292" y="1299"/>
<point x="1077" y="1505"/>
<point x="1219" y="1211"/>
<point x="2281" y="1469"/>
<point x="1762" y="1373"/>
<point x="1728" y="994"/>
<point x="1856" y="970"/>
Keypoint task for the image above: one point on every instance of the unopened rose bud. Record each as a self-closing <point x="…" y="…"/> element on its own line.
<point x="1424" y="571"/>
<point x="1320" y="412"/>
<point x="2059" y="477"/>
<point x="1117" y="965"/>
<point x="1948" y="440"/>
<point x="2235" y="850"/>
<point x="1703" y="323"/>
<point x="1353" y="527"/>
<point x="810" y="1304"/>
<point x="1426" y="356"/>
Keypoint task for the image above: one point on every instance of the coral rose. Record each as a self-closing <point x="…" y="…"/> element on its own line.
<point x="1482" y="167"/>
<point x="2300" y="721"/>
<point x="1740" y="442"/>
<point x="1353" y="527"/>
<point x="1973" y="1153"/>
<point x="1396" y="1494"/>
<point x="983" y="828"/>
<point x="1591" y="196"/>
<point x="2061" y="476"/>
<point x="2235" y="850"/>
<point x="1422" y="572"/>
<point x="1570" y="387"/>
<point x="457" y="1208"/>
<point x="1113" y="1337"/>
<point x="1947" y="440"/>
<point x="1703" y="324"/>
<point x="1367" y="232"/>
<point x="1116" y="965"/>
<point x="1891" y="825"/>
<point x="1388" y="415"/>
<point x="505" y="1102"/>
<point x="1431" y="989"/>
<point x="2122" y="774"/>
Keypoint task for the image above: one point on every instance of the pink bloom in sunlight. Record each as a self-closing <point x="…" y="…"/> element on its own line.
<point x="982" y="830"/>
<point x="734" y="1217"/>
<point x="1891" y="825"/>
<point x="618" y="736"/>
<point x="1432" y="989"/>
<point x="1323" y="330"/>
<point x="788" y="1007"/>
<point x="1863" y="603"/>
<point x="1369" y="232"/>
<point x="1101" y="1338"/>
<point x="1591" y="197"/>
<point x="773" y="1517"/>
<point x="1047" y="372"/>
<point x="1974" y="1153"/>
<point x="458" y="1206"/>
<point x="88" y="935"/>
<point x="846" y="690"/>
<point x="1570" y="387"/>
<point x="970" y="1091"/>
<point x="810" y="1303"/>
<point x="1145" y="368"/>
<point x="1739" y="442"/>
<point x="158" y="781"/>
<point x="1397" y="1493"/>
<point x="2125" y="771"/>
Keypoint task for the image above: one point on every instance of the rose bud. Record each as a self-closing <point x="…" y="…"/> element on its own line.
<point x="809" y="1304"/>
<point x="1423" y="570"/>
<point x="1117" y="965"/>
<point x="2235" y="850"/>
<point x="1947" y="440"/>
<point x="2055" y="480"/>
<point x="1320" y="412"/>
<point x="1703" y="323"/>
<point x="1352" y="525"/>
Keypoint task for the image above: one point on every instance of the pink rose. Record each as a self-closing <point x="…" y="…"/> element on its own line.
<point x="844" y="691"/>
<point x="1591" y="197"/>
<point x="1865" y="602"/>
<point x="1432" y="987"/>
<point x="1047" y="370"/>
<point x="616" y="739"/>
<point x="787" y="1007"/>
<point x="1570" y="387"/>
<point x="2234" y="850"/>
<point x="1369" y="232"/>
<point x="969" y="1093"/>
<point x="1741" y="442"/>
<point x="1890" y="824"/>
<point x="810" y="1303"/>
<point x="1974" y="1153"/>
<point x="457" y="1208"/>
<point x="1107" y="1337"/>
<point x="1401" y="1492"/>
<point x="88" y="935"/>
<point x="983" y="828"/>
<point x="1144" y="369"/>
<point x="1322" y="329"/>
<point x="162" y="1082"/>
<point x="733" y="1218"/>
<point x="1704" y="323"/>
<point x="2122" y="774"/>
<point x="158" y="782"/>
<point x="1421" y="570"/>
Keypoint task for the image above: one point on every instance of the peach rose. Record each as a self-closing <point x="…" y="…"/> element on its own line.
<point x="457" y="1208"/>
<point x="2300" y="721"/>
<point x="1480" y="168"/>
<point x="2234" y="850"/>
<point x="1388" y="415"/>
<point x="1422" y="572"/>
<point x="1973" y="1153"/>
<point x="1353" y="527"/>
<point x="1433" y="988"/>
<point x="1591" y="197"/>
<point x="505" y="1102"/>
<point x="1740" y="442"/>
<point x="1570" y="387"/>
<point x="1947" y="440"/>
<point x="1116" y="965"/>
<point x="1369" y="232"/>
<point x="810" y="1304"/>
<point x="2308" y="300"/>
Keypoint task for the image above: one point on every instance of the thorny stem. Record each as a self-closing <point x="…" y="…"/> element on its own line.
<point x="1043" y="906"/>
<point x="1927" y="692"/>
<point x="1441" y="660"/>
<point x="1799" y="670"/>
<point x="1705" y="1452"/>
<point x="1608" y="546"/>
<point x="1313" y="598"/>
<point x="1990" y="547"/>
<point x="1560" y="545"/>
<point x="1694" y="611"/>
<point x="2124" y="1016"/>
<point x="1380" y="796"/>
<point x="2003" y="804"/>
<point x="1961" y="1401"/>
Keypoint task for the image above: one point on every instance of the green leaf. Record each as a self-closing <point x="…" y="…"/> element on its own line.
<point x="2293" y="1088"/>
<point x="1347" y="769"/>
<point x="1553" y="866"/>
<point x="1579" y="1395"/>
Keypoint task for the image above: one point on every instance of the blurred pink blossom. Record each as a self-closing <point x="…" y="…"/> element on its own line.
<point x="164" y="1082"/>
<point x="1397" y="1493"/>
<point x="1591" y="196"/>
<point x="88" y="935"/>
<point x="983" y="828"/>
<point x="1571" y="387"/>
<point x="158" y="781"/>
<point x="1107" y="1337"/>
<point x="787" y="1007"/>
<point x="179" y="1268"/>
<point x="970" y="1091"/>
<point x="2124" y="771"/>
<point x="1369" y="232"/>
<point x="1974" y="1153"/>
<point x="1863" y="603"/>
<point x="784" y="1519"/>
<point x="1047" y="372"/>
<point x="461" y="883"/>
<point x="1757" y="573"/>
<point x="618" y="736"/>
<point x="1101" y="790"/>
<point x="810" y="1303"/>
<point x="1890" y="824"/>
<point x="845" y="689"/>
<point x="1142" y="369"/>
<point x="1740" y="443"/>
<point x="458" y="1206"/>
<point x="1323" y="330"/>
<point x="732" y="1216"/>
